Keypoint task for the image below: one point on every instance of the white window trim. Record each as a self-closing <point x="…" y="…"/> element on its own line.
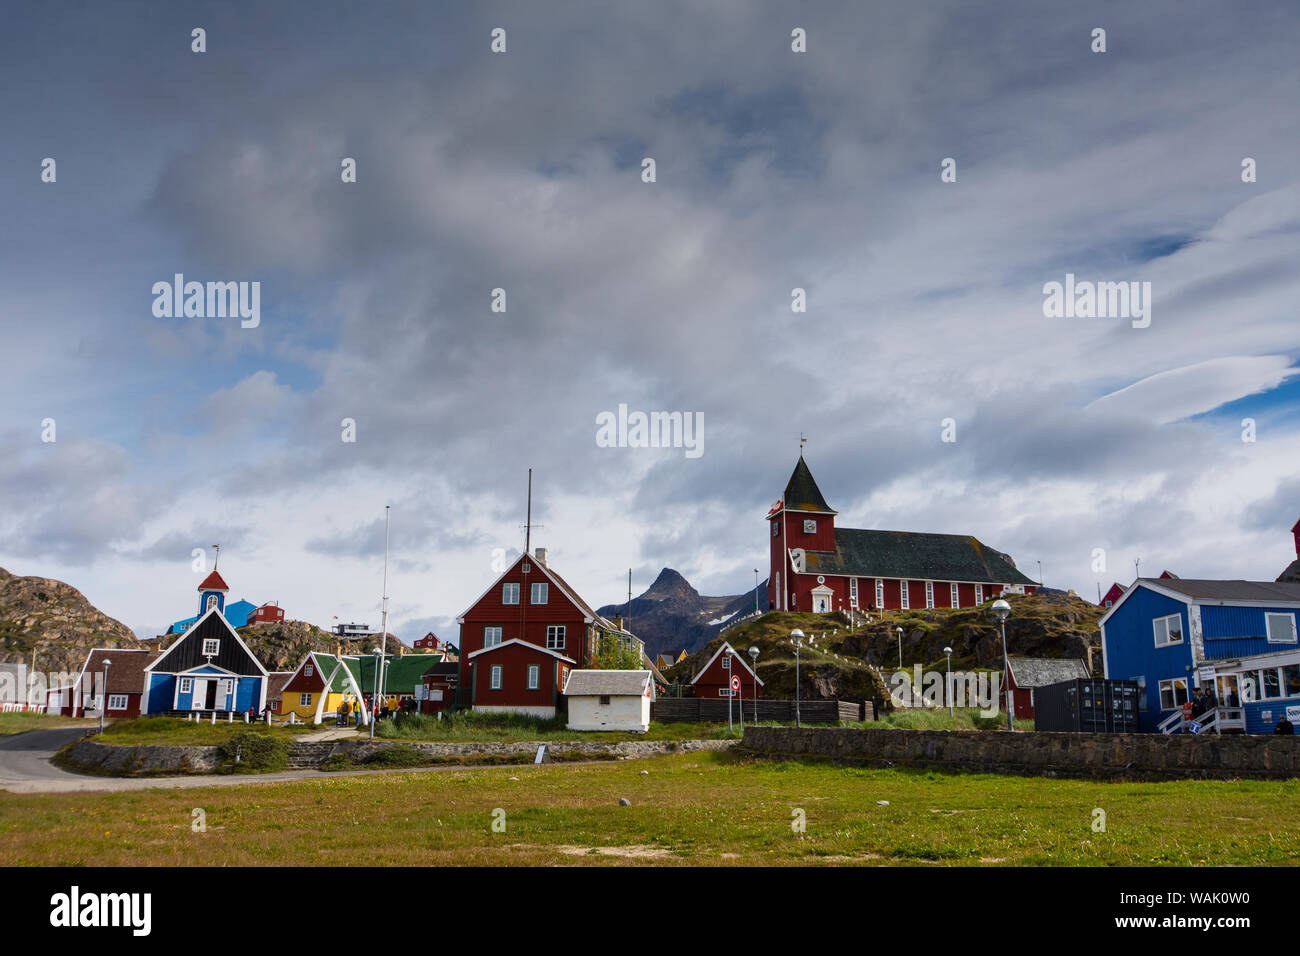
<point x="534" y="676"/>
<point x="533" y="592"/>
<point x="1269" y="616"/>
<point x="117" y="701"/>
<point x="508" y="590"/>
<point x="557" y="633"/>
<point x="979" y="594"/>
<point x="880" y="594"/>
<point x="216" y="646"/>
<point x="954" y="596"/>
<point x="494" y="678"/>
<point x="304" y="699"/>
<point x="904" y="601"/>
<point x="1155" y="630"/>
<point x="809" y="525"/>
<point x="853" y="592"/>
<point x="929" y="594"/>
<point x="1172" y="694"/>
<point x="187" y="685"/>
<point x="488" y="633"/>
<point x="308" y="670"/>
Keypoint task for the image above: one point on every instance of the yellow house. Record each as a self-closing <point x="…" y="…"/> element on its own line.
<point x="320" y="684"/>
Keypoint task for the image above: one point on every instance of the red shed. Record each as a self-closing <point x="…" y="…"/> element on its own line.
<point x="1028" y="673"/>
<point x="714" y="679"/>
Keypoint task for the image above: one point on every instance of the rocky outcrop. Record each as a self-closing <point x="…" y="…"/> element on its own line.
<point x="56" y="623"/>
<point x="89" y="756"/>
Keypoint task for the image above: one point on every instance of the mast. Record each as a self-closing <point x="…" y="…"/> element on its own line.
<point x="383" y="627"/>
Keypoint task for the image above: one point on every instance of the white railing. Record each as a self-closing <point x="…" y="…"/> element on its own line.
<point x="1217" y="720"/>
<point x="737" y="620"/>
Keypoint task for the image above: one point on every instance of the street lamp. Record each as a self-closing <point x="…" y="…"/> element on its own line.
<point x="900" y="647"/>
<point x="1000" y="610"/>
<point x="753" y="656"/>
<point x="947" y="687"/>
<point x="797" y="636"/>
<point x="756" y="590"/>
<point x="103" y="704"/>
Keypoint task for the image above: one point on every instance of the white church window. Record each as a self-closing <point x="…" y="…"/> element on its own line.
<point x="211" y="646"/>
<point x="953" y="599"/>
<point x="929" y="594"/>
<point x="979" y="594"/>
<point x="880" y="595"/>
<point x="212" y="601"/>
<point x="903" y="595"/>
<point x="853" y="592"/>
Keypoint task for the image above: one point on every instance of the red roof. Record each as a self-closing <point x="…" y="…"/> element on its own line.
<point x="213" y="582"/>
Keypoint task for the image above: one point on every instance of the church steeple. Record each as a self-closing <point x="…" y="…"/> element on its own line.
<point x="212" y="592"/>
<point x="802" y="493"/>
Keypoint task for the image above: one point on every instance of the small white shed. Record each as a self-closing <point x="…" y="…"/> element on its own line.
<point x="609" y="700"/>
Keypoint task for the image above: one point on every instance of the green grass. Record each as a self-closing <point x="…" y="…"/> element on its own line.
<point x="702" y="809"/>
<point x="162" y="731"/>
<point x="465" y="726"/>
<point x="938" y="719"/>
<point x="20" y="723"/>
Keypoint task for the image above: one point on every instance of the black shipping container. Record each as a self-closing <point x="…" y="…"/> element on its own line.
<point x="1087" y="705"/>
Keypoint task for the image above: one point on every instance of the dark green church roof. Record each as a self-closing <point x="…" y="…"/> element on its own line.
<point x="915" y="556"/>
<point x="802" y="493"/>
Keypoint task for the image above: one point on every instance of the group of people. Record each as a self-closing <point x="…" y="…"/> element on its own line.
<point x="349" y="708"/>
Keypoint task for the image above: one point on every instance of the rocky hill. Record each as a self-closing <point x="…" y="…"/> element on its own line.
<point x="671" y="616"/>
<point x="55" y="621"/>
<point x="848" y="661"/>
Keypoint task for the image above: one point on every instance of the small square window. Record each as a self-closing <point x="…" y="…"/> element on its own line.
<point x="810" y="526"/>
<point x="604" y="700"/>
<point x="211" y="646"/>
<point x="308" y="671"/>
<point x="187" y="685"/>
<point x="1281" y="628"/>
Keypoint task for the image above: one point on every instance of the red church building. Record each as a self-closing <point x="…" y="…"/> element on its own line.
<point x="523" y="635"/>
<point x="818" y="567"/>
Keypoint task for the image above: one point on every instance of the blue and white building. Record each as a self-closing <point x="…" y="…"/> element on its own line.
<point x="1237" y="637"/>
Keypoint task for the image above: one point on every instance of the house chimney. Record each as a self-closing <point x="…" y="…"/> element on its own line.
<point x="618" y="622"/>
<point x="541" y="556"/>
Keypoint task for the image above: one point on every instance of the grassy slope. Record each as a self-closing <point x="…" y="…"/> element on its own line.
<point x="18" y="723"/>
<point x="162" y="731"/>
<point x="693" y="809"/>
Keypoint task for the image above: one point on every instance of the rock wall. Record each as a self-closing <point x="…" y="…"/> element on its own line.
<point x="1136" y="756"/>
<point x="305" y="755"/>
<point x="90" y="757"/>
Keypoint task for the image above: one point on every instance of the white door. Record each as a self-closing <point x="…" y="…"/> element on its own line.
<point x="200" y="694"/>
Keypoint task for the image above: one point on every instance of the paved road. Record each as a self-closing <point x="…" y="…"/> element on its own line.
<point x="25" y="768"/>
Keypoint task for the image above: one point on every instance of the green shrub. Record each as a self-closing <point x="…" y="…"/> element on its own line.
<point x="249" y="752"/>
<point x="396" y="757"/>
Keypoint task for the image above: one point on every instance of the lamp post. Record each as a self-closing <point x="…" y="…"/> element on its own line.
<point x="756" y="590"/>
<point x="947" y="687"/>
<point x="753" y="656"/>
<point x="103" y="704"/>
<point x="797" y="636"/>
<point x="374" y="700"/>
<point x="1000" y="610"/>
<point x="900" y="647"/>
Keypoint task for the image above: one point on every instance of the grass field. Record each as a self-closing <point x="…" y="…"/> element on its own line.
<point x="20" y="723"/>
<point x="703" y="809"/>
<point x="962" y="719"/>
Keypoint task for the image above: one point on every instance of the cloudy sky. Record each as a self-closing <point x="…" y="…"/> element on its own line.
<point x="522" y="170"/>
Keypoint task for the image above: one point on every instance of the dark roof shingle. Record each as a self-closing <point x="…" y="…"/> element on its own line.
<point x="915" y="556"/>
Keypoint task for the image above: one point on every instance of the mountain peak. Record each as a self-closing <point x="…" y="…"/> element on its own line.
<point x="670" y="584"/>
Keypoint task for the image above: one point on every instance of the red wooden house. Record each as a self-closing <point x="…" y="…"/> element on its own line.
<point x="428" y="643"/>
<point x="523" y="635"/>
<point x="125" y="683"/>
<point x="267" y="612"/>
<point x="714" y="679"/>
<point x="818" y="567"/>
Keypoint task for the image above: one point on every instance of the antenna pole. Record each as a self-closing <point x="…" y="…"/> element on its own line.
<point x="383" y="636"/>
<point x="629" y="600"/>
<point x="528" y="528"/>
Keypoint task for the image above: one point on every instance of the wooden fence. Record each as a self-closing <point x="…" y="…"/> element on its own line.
<point x="690" y="710"/>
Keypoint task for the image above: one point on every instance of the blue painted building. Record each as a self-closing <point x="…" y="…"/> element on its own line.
<point x="1237" y="637"/>
<point x="208" y="668"/>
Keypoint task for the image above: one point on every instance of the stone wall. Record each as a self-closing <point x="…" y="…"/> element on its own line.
<point x="1139" y="756"/>
<point x="90" y="757"/>
<point x="305" y="755"/>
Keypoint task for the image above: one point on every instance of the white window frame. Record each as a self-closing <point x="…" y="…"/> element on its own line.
<point x="304" y="699"/>
<point x="954" y="596"/>
<point x="534" y="676"/>
<point x="979" y="594"/>
<point x="1168" y="641"/>
<point x="1289" y="619"/>
<point x="491" y="636"/>
<point x="556" y="635"/>
<point x="880" y="594"/>
<point x="308" y="670"/>
<point x="187" y="685"/>
<point x="211" y="603"/>
<point x="494" y="677"/>
<point x="214" y="643"/>
<point x="929" y="594"/>
<point x="510" y="592"/>
<point x="117" y="701"/>
<point x="539" y="587"/>
<point x="904" y="600"/>
<point x="1173" y="696"/>
<point x="809" y="525"/>
<point x="853" y="592"/>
